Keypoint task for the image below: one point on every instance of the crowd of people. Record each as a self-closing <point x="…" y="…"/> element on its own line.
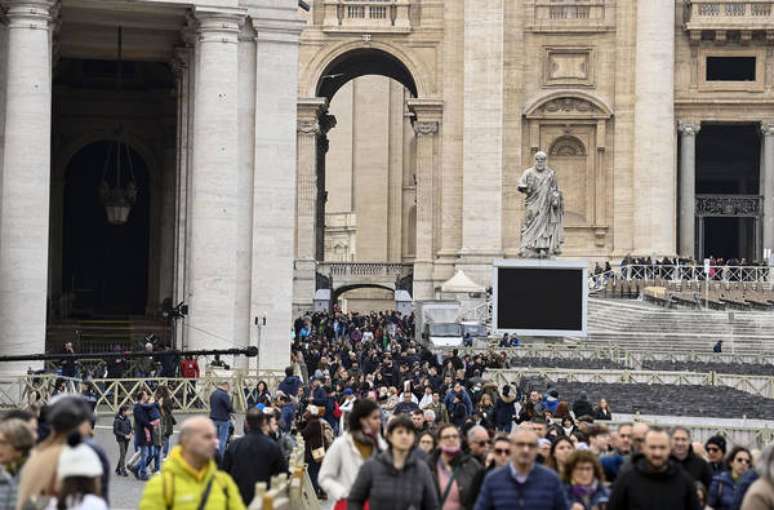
<point x="386" y="425"/>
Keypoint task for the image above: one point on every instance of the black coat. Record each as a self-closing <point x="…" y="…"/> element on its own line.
<point x="698" y="468"/>
<point x="386" y="488"/>
<point x="220" y="405"/>
<point x="582" y="408"/>
<point x="250" y="459"/>
<point x="640" y="489"/>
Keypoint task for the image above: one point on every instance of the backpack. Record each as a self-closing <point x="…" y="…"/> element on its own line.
<point x="336" y="410"/>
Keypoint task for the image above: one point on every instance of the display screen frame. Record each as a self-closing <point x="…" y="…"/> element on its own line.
<point x="576" y="265"/>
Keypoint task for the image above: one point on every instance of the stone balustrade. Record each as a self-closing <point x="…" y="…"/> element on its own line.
<point x="745" y="15"/>
<point x="349" y="269"/>
<point x="291" y="491"/>
<point x="571" y="15"/>
<point x="367" y="16"/>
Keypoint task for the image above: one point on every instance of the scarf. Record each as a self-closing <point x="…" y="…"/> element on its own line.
<point x="583" y="492"/>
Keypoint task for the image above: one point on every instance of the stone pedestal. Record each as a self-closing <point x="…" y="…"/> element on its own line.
<point x="213" y="241"/>
<point x="687" y="220"/>
<point x="654" y="130"/>
<point x="24" y="188"/>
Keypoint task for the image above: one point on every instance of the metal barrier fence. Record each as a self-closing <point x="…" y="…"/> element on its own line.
<point x="632" y="359"/>
<point x="293" y="492"/>
<point x="187" y="395"/>
<point x="761" y="386"/>
<point x="682" y="273"/>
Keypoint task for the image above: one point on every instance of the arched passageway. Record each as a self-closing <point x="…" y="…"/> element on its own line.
<point x="105" y="267"/>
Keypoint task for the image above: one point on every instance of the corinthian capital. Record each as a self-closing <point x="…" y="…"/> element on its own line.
<point x="309" y="127"/>
<point x="689" y="127"/>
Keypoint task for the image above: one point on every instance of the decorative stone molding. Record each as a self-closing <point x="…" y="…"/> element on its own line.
<point x="732" y="206"/>
<point x="688" y="128"/>
<point x="221" y="26"/>
<point x="767" y="128"/>
<point x="309" y="127"/>
<point x="31" y="14"/>
<point x="567" y="146"/>
<point x="564" y="67"/>
<point x="425" y="128"/>
<point x="568" y="104"/>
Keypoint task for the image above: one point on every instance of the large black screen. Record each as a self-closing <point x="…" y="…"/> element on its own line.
<point x="549" y="299"/>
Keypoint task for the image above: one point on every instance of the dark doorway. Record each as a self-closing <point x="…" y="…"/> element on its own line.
<point x="728" y="169"/>
<point x="729" y="238"/>
<point x="105" y="266"/>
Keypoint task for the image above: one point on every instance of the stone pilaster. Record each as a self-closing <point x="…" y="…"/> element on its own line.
<point x="274" y="184"/>
<point x="214" y="203"/>
<point x="428" y="114"/>
<point x="767" y="186"/>
<point x="687" y="220"/>
<point x="24" y="192"/>
<point x="483" y="129"/>
<point x="308" y="130"/>
<point x="183" y="67"/>
<point x="654" y="130"/>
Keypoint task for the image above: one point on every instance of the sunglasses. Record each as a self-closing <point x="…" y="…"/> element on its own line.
<point x="743" y="460"/>
<point x="481" y="443"/>
<point x="502" y="451"/>
<point x="713" y="449"/>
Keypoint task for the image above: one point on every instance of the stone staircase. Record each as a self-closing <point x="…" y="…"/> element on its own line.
<point x="639" y="326"/>
<point x="102" y="335"/>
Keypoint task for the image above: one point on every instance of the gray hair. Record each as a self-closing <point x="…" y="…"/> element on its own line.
<point x="475" y="429"/>
<point x="766" y="464"/>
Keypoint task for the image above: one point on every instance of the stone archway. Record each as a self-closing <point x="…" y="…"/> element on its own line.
<point x="324" y="77"/>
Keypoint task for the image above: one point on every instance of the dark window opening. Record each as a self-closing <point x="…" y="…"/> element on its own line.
<point x="730" y="68"/>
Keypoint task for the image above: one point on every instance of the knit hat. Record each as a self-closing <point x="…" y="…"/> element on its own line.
<point x="79" y="460"/>
<point x="718" y="441"/>
<point x="347" y="392"/>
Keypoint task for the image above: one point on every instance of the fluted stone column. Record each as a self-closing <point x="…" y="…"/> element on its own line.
<point x="274" y="184"/>
<point x="24" y="187"/>
<point x="687" y="221"/>
<point x="427" y="126"/>
<point x="767" y="187"/>
<point x="308" y="129"/>
<point x="213" y="242"/>
<point x="654" y="175"/>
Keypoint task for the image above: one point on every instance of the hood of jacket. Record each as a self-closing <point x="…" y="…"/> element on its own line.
<point x="177" y="464"/>
<point x="641" y="465"/>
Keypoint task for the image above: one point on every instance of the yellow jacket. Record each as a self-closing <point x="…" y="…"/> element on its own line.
<point x="179" y="487"/>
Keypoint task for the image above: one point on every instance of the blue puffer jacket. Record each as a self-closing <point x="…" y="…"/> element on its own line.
<point x="541" y="491"/>
<point x="722" y="491"/>
<point x="593" y="501"/>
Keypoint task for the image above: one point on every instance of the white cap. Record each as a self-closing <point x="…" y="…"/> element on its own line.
<point x="78" y="460"/>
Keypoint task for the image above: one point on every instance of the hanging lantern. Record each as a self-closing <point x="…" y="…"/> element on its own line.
<point x="116" y="197"/>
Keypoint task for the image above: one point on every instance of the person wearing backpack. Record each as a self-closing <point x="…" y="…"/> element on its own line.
<point x="190" y="479"/>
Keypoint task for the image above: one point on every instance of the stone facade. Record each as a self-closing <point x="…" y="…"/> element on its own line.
<point x="616" y="92"/>
<point x="218" y="139"/>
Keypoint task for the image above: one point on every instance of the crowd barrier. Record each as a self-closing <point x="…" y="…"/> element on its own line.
<point x="761" y="386"/>
<point x="631" y="359"/>
<point x="288" y="492"/>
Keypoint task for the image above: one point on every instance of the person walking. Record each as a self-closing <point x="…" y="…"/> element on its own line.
<point x="760" y="495"/>
<point x="190" y="479"/>
<point x="349" y="451"/>
<point x="457" y="475"/>
<point x="682" y="454"/>
<point x="122" y="430"/>
<point x="16" y="442"/>
<point x="654" y="481"/>
<point x="142" y="435"/>
<point x="220" y="413"/>
<point x="522" y="482"/>
<point x="724" y="486"/>
<point x="584" y="482"/>
<point x="396" y="478"/>
<point x="78" y="480"/>
<point x="240" y="458"/>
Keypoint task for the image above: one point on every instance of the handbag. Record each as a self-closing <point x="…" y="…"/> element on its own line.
<point x="318" y="454"/>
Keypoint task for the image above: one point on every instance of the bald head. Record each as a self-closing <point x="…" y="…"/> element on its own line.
<point x="524" y="445"/>
<point x="198" y="440"/>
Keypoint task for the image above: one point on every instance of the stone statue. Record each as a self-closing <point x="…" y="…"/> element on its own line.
<point x="542" y="227"/>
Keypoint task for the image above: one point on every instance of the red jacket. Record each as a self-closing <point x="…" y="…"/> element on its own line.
<point x="189" y="368"/>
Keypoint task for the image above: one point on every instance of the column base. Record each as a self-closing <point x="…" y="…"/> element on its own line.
<point x="424" y="286"/>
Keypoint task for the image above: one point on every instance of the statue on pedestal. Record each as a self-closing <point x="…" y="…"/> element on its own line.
<point x="542" y="230"/>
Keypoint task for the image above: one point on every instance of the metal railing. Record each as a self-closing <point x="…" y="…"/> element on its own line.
<point x="682" y="273"/>
<point x="293" y="491"/>
<point x="349" y="15"/>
